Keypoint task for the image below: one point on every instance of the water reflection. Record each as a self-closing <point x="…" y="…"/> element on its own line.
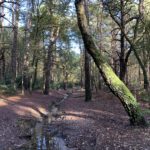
<point x="41" y="139"/>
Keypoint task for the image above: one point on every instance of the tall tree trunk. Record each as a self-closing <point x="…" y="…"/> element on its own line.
<point x="81" y="64"/>
<point x="81" y="69"/>
<point x="47" y="70"/>
<point x="146" y="81"/>
<point x="122" y="44"/>
<point x="26" y="61"/>
<point x="35" y="73"/>
<point x="114" y="83"/>
<point x="15" y="18"/>
<point x="26" y="76"/>
<point x="65" y="78"/>
<point x="2" y="64"/>
<point x="53" y="38"/>
<point x="88" y="93"/>
<point x="100" y="31"/>
<point x="14" y="57"/>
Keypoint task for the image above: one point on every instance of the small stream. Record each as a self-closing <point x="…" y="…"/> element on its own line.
<point x="41" y="138"/>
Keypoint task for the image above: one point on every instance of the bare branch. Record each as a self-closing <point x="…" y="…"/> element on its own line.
<point x="9" y="2"/>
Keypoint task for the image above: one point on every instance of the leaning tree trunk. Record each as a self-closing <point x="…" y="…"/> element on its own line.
<point x="114" y="83"/>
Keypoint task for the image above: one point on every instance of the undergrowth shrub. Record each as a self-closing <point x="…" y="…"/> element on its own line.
<point x="7" y="89"/>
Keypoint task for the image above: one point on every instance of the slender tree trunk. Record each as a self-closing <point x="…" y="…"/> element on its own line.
<point x="26" y="61"/>
<point x="35" y="73"/>
<point x="53" y="38"/>
<point x="65" y="78"/>
<point x="2" y="49"/>
<point x="26" y="71"/>
<point x="81" y="64"/>
<point x="15" y="18"/>
<point x="2" y="64"/>
<point x="113" y="82"/>
<point x="81" y="68"/>
<point x="100" y="31"/>
<point x="122" y="44"/>
<point x="88" y="93"/>
<point x="47" y="71"/>
<point x="14" y="57"/>
<point x="146" y="81"/>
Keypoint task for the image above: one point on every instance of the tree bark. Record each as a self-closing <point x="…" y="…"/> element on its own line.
<point x="26" y="61"/>
<point x="81" y="64"/>
<point x="35" y="73"/>
<point x="88" y="93"/>
<point x="47" y="71"/>
<point x="2" y="64"/>
<point x="53" y="38"/>
<point x="117" y="87"/>
<point x="15" y="18"/>
<point x="123" y="64"/>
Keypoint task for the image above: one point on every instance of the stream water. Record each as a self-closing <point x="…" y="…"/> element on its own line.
<point x="41" y="139"/>
<point x="39" y="134"/>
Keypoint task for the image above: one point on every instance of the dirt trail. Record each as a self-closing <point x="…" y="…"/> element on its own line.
<point x="98" y="125"/>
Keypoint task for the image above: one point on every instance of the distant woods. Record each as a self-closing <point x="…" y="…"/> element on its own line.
<point x="39" y="40"/>
<point x="36" y="49"/>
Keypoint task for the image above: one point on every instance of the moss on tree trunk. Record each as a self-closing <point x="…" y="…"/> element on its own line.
<point x="114" y="83"/>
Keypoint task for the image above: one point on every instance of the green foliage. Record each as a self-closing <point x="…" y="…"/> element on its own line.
<point x="7" y="89"/>
<point x="19" y="82"/>
<point x="55" y="85"/>
<point x="7" y="79"/>
<point x="39" y="84"/>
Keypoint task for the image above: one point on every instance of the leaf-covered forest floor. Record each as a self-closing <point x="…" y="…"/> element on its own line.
<point x="101" y="124"/>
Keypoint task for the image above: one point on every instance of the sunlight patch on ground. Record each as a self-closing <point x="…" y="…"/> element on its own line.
<point x="101" y="112"/>
<point x="23" y="111"/>
<point x="13" y="99"/>
<point x="2" y="103"/>
<point x="74" y="116"/>
<point x="43" y="110"/>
